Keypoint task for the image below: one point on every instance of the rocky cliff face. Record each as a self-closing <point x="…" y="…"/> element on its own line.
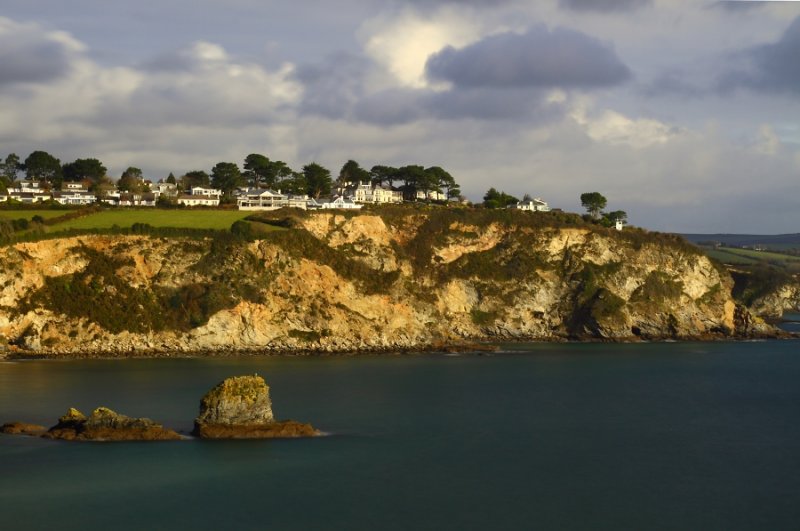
<point x="786" y="298"/>
<point x="341" y="282"/>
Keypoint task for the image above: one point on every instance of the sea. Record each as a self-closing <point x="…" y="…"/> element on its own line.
<point x="645" y="436"/>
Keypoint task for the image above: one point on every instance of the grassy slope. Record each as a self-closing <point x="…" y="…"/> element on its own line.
<point x="190" y="219"/>
<point x="28" y="214"/>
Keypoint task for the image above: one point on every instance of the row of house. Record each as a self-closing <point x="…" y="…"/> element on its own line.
<point x="346" y="196"/>
<point x="76" y="194"/>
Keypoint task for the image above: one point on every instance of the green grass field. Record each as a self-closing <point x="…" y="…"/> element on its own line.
<point x="28" y="214"/>
<point x="726" y="257"/>
<point x="764" y="255"/>
<point x="184" y="219"/>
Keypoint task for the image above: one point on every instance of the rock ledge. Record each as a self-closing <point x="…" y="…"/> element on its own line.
<point x="106" y="425"/>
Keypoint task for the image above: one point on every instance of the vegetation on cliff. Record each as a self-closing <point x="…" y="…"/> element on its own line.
<point x="388" y="278"/>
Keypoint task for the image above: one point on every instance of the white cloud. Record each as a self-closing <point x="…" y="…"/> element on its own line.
<point x="613" y="127"/>
<point x="212" y="106"/>
<point x="403" y="42"/>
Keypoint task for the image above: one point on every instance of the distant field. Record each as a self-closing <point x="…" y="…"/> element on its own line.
<point x="746" y="257"/>
<point x="28" y="214"/>
<point x="726" y="257"/>
<point x="184" y="219"/>
<point x="764" y="255"/>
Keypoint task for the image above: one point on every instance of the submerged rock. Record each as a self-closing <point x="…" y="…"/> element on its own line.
<point x="22" y="428"/>
<point x="106" y="425"/>
<point x="240" y="408"/>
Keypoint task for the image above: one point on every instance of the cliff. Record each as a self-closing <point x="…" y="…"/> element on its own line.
<point x="394" y="279"/>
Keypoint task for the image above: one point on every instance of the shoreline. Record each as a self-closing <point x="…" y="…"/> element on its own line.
<point x="480" y="347"/>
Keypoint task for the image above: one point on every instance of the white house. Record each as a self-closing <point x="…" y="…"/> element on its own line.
<point x="260" y="199"/>
<point x="29" y="187"/>
<point x="337" y="202"/>
<point x="128" y="199"/>
<point x="29" y="197"/>
<point x="165" y="189"/>
<point x="207" y="192"/>
<point x="619" y="224"/>
<point x="368" y="193"/>
<point x="198" y="200"/>
<point x="532" y="205"/>
<point x="431" y="195"/>
<point x="74" y="196"/>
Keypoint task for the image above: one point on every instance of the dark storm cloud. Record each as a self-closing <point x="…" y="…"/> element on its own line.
<point x="333" y="86"/>
<point x="538" y="58"/>
<point x="399" y="106"/>
<point x="31" y="59"/>
<point x="603" y="5"/>
<point x="771" y="67"/>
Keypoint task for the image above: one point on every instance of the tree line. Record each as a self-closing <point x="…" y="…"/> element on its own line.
<point x="257" y="171"/>
<point x="593" y="202"/>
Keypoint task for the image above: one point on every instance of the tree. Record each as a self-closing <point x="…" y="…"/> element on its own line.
<point x="42" y="166"/>
<point x="318" y="180"/>
<point x="102" y="187"/>
<point x="352" y="172"/>
<point x="256" y="169"/>
<point x="609" y="219"/>
<point x="84" y="169"/>
<point x="260" y="170"/>
<point x="193" y="179"/>
<point x="444" y="181"/>
<point x="295" y="184"/>
<point x="495" y="199"/>
<point x="383" y="175"/>
<point x="414" y="178"/>
<point x="593" y="202"/>
<point x="227" y="177"/>
<point x="10" y="169"/>
<point x="131" y="181"/>
<point x="171" y="178"/>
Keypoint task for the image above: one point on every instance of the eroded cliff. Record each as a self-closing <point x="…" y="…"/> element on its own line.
<point x="340" y="282"/>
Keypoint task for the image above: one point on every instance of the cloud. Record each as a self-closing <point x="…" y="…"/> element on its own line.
<point x="28" y="54"/>
<point x="333" y="86"/>
<point x="603" y="5"/>
<point x="211" y="106"/>
<point x="739" y="5"/>
<point x="769" y="67"/>
<point x="402" y="42"/>
<point x="401" y="106"/>
<point x="538" y="58"/>
<point x="673" y="82"/>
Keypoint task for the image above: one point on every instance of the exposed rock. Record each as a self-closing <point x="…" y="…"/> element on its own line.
<point x="390" y="280"/>
<point x="772" y="305"/>
<point x="240" y="408"/>
<point x="106" y="425"/>
<point x="284" y="429"/>
<point x="22" y="428"/>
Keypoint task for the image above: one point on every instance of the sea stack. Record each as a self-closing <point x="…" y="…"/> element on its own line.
<point x="240" y="408"/>
<point x="106" y="425"/>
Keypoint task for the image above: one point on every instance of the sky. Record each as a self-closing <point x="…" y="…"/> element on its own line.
<point x="683" y="113"/>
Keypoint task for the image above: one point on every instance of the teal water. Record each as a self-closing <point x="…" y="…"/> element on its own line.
<point x="650" y="436"/>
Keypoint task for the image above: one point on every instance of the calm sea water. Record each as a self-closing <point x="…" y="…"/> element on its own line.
<point x="652" y="436"/>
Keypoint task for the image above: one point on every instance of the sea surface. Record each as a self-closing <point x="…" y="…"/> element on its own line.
<point x="537" y="436"/>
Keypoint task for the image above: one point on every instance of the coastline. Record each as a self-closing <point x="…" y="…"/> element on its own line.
<point x="479" y="346"/>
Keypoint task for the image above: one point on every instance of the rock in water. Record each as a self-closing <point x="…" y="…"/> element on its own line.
<point x="240" y="408"/>
<point x="22" y="428"/>
<point x="106" y="425"/>
<point x="237" y="400"/>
